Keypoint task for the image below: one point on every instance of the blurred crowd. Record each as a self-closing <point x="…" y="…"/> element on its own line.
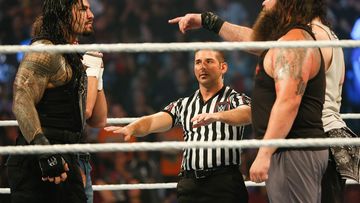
<point x="139" y="84"/>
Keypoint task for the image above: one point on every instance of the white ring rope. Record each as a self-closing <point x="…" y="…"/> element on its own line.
<point x="141" y="186"/>
<point x="155" y="146"/>
<point x="114" y="121"/>
<point x="151" y="186"/>
<point x="173" y="47"/>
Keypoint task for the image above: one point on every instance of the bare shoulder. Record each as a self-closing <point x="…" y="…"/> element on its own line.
<point x="327" y="52"/>
<point x="300" y="34"/>
<point x="296" y="34"/>
<point x="294" y="60"/>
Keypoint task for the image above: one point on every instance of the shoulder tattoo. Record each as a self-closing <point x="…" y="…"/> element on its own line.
<point x="289" y="65"/>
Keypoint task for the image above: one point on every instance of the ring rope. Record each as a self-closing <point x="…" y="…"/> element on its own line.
<point x="151" y="186"/>
<point x="173" y="47"/>
<point x="155" y="146"/>
<point x="167" y="47"/>
<point x="114" y="121"/>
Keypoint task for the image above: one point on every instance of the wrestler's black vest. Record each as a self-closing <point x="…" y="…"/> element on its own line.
<point x="64" y="107"/>
<point x="308" y="123"/>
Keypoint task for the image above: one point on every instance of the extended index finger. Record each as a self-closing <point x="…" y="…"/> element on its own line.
<point x="174" y="20"/>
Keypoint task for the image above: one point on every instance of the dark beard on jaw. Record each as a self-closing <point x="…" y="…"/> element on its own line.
<point x="269" y="26"/>
<point x="87" y="33"/>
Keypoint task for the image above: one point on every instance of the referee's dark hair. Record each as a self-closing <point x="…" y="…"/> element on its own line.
<point x="220" y="54"/>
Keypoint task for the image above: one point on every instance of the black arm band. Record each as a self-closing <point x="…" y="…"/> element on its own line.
<point x="40" y="139"/>
<point x="211" y="22"/>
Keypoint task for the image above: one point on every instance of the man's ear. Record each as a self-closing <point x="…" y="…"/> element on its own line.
<point x="224" y="67"/>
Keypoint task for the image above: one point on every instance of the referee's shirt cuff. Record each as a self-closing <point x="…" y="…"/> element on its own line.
<point x="172" y="116"/>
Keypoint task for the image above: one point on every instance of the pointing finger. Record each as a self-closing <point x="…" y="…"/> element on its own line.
<point x="174" y="20"/>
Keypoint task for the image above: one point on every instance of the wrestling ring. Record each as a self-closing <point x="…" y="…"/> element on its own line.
<point x="156" y="146"/>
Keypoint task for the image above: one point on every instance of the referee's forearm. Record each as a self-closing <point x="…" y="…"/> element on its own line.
<point x="140" y="127"/>
<point x="236" y="117"/>
<point x="158" y="122"/>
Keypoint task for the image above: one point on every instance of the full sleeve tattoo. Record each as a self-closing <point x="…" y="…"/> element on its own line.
<point x="35" y="74"/>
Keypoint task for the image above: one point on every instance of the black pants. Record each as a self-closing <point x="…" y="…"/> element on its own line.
<point x="27" y="187"/>
<point x="332" y="185"/>
<point x="227" y="187"/>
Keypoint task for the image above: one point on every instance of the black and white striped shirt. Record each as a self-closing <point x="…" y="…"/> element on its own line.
<point x="184" y="109"/>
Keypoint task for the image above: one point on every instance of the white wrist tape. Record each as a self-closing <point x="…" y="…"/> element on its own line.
<point x="92" y="60"/>
<point x="93" y="63"/>
<point x="93" y="72"/>
<point x="100" y="79"/>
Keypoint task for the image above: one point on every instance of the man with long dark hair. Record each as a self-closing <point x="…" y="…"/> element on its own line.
<point x="287" y="99"/>
<point x="52" y="106"/>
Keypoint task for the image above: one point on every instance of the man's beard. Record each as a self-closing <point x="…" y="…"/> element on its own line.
<point x="87" y="33"/>
<point x="269" y="25"/>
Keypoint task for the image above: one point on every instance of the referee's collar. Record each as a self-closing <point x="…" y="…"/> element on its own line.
<point x="221" y="91"/>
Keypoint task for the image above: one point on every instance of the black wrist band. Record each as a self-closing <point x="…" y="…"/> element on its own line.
<point x="40" y="139"/>
<point x="211" y="22"/>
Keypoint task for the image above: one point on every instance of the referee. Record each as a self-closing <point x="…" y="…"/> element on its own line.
<point x="214" y="112"/>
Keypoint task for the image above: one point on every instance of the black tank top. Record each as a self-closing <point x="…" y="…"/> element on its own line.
<point x="308" y="123"/>
<point x="64" y="107"/>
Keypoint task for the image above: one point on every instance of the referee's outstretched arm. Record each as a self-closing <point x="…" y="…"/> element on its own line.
<point x="158" y="122"/>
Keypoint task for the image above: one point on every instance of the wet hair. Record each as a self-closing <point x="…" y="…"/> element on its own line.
<point x="55" y="23"/>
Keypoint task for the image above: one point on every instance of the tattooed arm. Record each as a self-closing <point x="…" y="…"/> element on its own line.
<point x="36" y="73"/>
<point x="291" y="70"/>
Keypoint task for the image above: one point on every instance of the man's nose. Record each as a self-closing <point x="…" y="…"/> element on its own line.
<point x="204" y="63"/>
<point x="90" y="14"/>
<point x="264" y="2"/>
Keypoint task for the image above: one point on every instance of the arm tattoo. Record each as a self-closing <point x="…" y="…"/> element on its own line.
<point x="289" y="64"/>
<point x="30" y="83"/>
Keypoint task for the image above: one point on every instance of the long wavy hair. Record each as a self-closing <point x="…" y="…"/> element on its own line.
<point x="55" y="24"/>
<point x="284" y="15"/>
<point x="55" y="21"/>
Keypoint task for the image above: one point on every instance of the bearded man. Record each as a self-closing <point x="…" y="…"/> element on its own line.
<point x="288" y="100"/>
<point x="288" y="96"/>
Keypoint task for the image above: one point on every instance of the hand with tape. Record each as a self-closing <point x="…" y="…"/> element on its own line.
<point x="53" y="166"/>
<point x="94" y="66"/>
